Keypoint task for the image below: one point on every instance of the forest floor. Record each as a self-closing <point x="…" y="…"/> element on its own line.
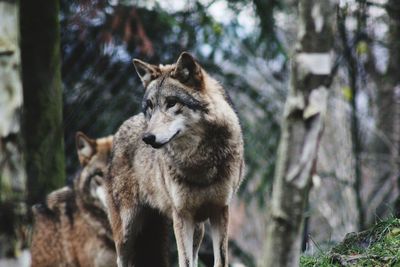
<point x="377" y="246"/>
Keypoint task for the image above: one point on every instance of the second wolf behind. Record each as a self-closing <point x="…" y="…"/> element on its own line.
<point x="71" y="229"/>
<point x="182" y="158"/>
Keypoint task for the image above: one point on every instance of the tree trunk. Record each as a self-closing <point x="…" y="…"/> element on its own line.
<point x="389" y="97"/>
<point x="386" y="144"/>
<point x="41" y="76"/>
<point x="12" y="173"/>
<point x="353" y="74"/>
<point x="301" y="132"/>
<point x="333" y="199"/>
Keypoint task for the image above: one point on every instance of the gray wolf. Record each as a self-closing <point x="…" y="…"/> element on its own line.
<point x="71" y="228"/>
<point x="181" y="158"/>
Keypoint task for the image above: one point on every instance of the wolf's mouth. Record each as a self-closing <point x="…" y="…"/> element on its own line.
<point x="158" y="145"/>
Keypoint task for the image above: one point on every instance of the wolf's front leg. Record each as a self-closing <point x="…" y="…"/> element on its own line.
<point x="184" y="231"/>
<point x="197" y="238"/>
<point x="124" y="236"/>
<point x="124" y="246"/>
<point x="219" y="232"/>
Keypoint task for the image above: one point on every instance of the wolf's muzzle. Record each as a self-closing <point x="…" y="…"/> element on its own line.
<point x="149" y="139"/>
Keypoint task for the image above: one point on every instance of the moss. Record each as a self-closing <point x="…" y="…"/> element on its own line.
<point x="378" y="246"/>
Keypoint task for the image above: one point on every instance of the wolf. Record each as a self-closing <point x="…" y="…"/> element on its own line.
<point x="181" y="158"/>
<point x="71" y="228"/>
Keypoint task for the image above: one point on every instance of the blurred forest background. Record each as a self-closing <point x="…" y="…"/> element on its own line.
<point x="247" y="46"/>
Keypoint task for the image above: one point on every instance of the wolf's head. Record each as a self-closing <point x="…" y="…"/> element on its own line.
<point x="174" y="100"/>
<point x="93" y="156"/>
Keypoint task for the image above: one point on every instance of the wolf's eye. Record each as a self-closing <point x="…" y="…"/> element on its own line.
<point x="171" y="102"/>
<point x="149" y="104"/>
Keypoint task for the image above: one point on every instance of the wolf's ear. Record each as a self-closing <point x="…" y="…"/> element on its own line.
<point x="188" y="71"/>
<point x="86" y="148"/>
<point x="146" y="72"/>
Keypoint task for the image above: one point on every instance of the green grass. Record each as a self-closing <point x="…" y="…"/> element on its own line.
<point x="379" y="246"/>
<point x="322" y="260"/>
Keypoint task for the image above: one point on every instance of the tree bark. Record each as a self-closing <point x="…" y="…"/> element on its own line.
<point x="301" y="132"/>
<point x="353" y="74"/>
<point x="386" y="144"/>
<point x="333" y="199"/>
<point x="389" y="98"/>
<point x="12" y="173"/>
<point x="41" y="76"/>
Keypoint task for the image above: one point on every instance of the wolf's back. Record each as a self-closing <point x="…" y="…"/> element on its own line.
<point x="47" y="247"/>
<point x="130" y="132"/>
<point x="125" y="143"/>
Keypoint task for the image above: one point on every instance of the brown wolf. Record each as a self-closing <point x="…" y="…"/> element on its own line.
<point x="71" y="228"/>
<point x="181" y="158"/>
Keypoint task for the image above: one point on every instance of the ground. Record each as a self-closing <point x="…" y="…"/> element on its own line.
<point x="377" y="246"/>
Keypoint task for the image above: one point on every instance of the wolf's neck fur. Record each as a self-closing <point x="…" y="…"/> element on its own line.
<point x="93" y="213"/>
<point x="206" y="153"/>
<point x="203" y="159"/>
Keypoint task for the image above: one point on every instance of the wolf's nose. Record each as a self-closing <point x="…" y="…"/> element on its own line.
<point x="149" y="138"/>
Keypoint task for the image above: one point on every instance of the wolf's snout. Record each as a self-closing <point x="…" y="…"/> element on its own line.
<point x="149" y="138"/>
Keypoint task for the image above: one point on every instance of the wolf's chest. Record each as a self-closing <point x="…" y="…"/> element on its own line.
<point x="199" y="201"/>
